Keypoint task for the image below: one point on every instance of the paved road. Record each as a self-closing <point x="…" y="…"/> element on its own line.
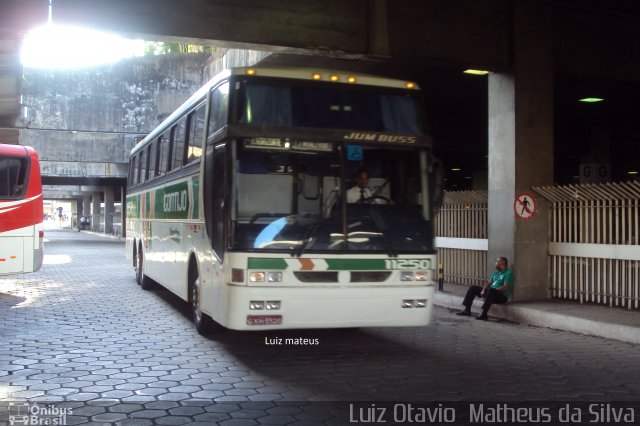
<point x="81" y="330"/>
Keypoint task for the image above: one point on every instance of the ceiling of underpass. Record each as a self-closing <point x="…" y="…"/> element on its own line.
<point x="595" y="51"/>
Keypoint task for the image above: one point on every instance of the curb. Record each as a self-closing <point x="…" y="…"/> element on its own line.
<point x="540" y="318"/>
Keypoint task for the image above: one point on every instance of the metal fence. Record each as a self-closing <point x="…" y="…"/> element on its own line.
<point x="461" y="236"/>
<point x="594" y="247"/>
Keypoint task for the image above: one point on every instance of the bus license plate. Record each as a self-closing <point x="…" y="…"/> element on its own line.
<point x="264" y="319"/>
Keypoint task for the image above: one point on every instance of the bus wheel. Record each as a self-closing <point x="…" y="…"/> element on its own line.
<point x="143" y="281"/>
<point x="203" y="322"/>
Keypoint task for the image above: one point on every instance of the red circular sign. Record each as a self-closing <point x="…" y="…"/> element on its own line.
<point x="525" y="206"/>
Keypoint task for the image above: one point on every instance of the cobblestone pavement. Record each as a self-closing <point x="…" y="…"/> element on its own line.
<point x="81" y="334"/>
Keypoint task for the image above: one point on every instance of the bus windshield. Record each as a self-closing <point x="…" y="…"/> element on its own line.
<point x="330" y="107"/>
<point x="292" y="201"/>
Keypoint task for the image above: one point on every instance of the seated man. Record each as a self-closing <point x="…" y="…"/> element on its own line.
<point x="497" y="290"/>
<point x="361" y="193"/>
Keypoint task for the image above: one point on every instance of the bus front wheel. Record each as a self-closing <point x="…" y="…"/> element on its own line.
<point x="203" y="323"/>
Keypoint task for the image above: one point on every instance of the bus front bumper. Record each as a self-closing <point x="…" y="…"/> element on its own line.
<point x="328" y="307"/>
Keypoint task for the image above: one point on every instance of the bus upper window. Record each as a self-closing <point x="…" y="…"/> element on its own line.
<point x="196" y="134"/>
<point x="178" y="144"/>
<point x="266" y="105"/>
<point x="13" y="172"/>
<point x="218" y="109"/>
<point x="337" y="107"/>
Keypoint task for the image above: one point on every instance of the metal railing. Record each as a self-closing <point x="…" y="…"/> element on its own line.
<point x="593" y="242"/>
<point x="461" y="236"/>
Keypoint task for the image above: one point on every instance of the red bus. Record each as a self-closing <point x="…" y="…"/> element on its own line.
<point x="21" y="211"/>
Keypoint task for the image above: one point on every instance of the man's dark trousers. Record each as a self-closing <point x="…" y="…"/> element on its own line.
<point x="494" y="296"/>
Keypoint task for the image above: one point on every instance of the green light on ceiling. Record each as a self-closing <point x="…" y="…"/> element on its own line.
<point x="591" y="100"/>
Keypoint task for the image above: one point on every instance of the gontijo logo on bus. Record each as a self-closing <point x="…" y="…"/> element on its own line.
<point x="176" y="201"/>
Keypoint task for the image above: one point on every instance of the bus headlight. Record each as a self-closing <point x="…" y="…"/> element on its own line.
<point x="274" y="277"/>
<point x="421" y="276"/>
<point x="256" y="277"/>
<point x="406" y="276"/>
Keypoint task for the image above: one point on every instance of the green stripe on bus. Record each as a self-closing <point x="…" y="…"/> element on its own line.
<point x="355" y="264"/>
<point x="195" y="213"/>
<point x="266" y="263"/>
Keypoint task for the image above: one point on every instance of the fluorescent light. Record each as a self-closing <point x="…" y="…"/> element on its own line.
<point x="591" y="100"/>
<point x="632" y="173"/>
<point x="456" y="169"/>
<point x="476" y="72"/>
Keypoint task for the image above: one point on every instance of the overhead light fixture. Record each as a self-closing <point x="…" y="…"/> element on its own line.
<point x="476" y="72"/>
<point x="456" y="169"/>
<point x="633" y="172"/>
<point x="591" y="100"/>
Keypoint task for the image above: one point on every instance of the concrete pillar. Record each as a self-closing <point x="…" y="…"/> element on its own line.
<point x="86" y="206"/>
<point x="76" y="212"/>
<point x="108" y="209"/>
<point x="521" y="151"/>
<point x="95" y="212"/>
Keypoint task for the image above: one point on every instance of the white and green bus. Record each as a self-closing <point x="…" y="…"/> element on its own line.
<point x="238" y="204"/>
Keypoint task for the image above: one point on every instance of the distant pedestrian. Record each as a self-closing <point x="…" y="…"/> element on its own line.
<point x="497" y="290"/>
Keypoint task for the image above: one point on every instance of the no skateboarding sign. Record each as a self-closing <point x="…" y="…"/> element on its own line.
<point x="525" y="206"/>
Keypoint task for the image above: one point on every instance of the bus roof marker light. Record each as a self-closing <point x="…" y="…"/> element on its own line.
<point x="410" y="85"/>
<point x="316" y="76"/>
<point x="351" y="79"/>
<point x="591" y="100"/>
<point x="334" y="77"/>
<point x="475" y="72"/>
<point x="251" y="71"/>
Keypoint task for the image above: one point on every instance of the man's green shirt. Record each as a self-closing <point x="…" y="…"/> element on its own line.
<point x="498" y="279"/>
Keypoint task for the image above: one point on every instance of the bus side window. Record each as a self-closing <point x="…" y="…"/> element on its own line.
<point x="218" y="110"/>
<point x="152" y="150"/>
<point x="134" y="174"/>
<point x="178" y="144"/>
<point x="130" y="174"/>
<point x="196" y="134"/>
<point x="142" y="175"/>
<point x="158" y="148"/>
<point x="164" y="151"/>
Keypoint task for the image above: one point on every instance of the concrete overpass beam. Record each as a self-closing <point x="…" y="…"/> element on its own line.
<point x="521" y="151"/>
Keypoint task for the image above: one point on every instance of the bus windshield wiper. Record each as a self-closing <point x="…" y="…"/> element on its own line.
<point x="381" y="228"/>
<point x="308" y="236"/>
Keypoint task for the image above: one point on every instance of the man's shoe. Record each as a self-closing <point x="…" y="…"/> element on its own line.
<point x="482" y="317"/>
<point x="465" y="313"/>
